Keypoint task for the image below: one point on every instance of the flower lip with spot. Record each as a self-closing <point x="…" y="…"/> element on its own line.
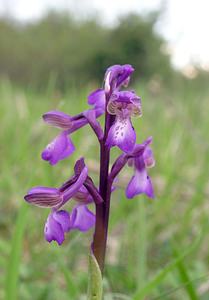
<point x="122" y="134"/>
<point x="125" y="100"/>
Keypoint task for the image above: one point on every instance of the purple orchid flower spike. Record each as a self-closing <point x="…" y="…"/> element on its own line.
<point x="141" y="182"/>
<point x="122" y="134"/>
<point x="118" y="107"/>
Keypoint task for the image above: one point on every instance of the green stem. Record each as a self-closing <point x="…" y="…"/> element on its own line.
<point x="142" y="244"/>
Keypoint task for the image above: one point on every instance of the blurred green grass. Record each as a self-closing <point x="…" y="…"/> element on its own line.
<point x="168" y="235"/>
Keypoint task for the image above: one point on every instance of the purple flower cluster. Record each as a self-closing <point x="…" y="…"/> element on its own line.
<point x="60" y="221"/>
<point x="119" y="108"/>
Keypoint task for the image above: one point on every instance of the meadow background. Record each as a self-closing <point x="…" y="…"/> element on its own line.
<point x="156" y="249"/>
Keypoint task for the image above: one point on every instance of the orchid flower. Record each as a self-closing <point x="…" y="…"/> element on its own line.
<point x="141" y="183"/>
<point x="123" y="105"/>
<point x="62" y="145"/>
<point x="60" y="221"/>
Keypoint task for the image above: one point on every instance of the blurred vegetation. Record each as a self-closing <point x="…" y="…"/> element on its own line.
<point x="156" y="250"/>
<point x="58" y="47"/>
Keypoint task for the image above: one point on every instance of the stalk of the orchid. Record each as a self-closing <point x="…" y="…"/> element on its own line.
<point x="102" y="209"/>
<point x="115" y="77"/>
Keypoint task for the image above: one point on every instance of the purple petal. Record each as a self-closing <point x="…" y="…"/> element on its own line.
<point x="108" y="80"/>
<point x="58" y="119"/>
<point x="63" y="218"/>
<point x="139" y="148"/>
<point x="82" y="121"/>
<point x="83" y="196"/>
<point x="124" y="78"/>
<point x="140" y="183"/>
<point x="148" y="158"/>
<point x="70" y="148"/>
<point x="117" y="76"/>
<point x="97" y="98"/>
<point x="82" y="218"/>
<point x="58" y="149"/>
<point x="77" y="124"/>
<point x="53" y="230"/>
<point x="121" y="100"/>
<point x="125" y="97"/>
<point x="74" y="188"/>
<point x="79" y="166"/>
<point x="122" y="134"/>
<point x="42" y="189"/>
<point x="44" y="197"/>
<point x="91" y="117"/>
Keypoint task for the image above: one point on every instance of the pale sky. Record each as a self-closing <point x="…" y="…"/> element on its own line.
<point x="184" y="23"/>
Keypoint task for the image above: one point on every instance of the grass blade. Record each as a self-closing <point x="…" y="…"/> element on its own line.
<point x="142" y="245"/>
<point x="140" y="294"/>
<point x="71" y="287"/>
<point x="11" y="284"/>
<point x="184" y="276"/>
